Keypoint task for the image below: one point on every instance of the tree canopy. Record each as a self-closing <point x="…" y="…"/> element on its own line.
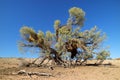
<point x="67" y="38"/>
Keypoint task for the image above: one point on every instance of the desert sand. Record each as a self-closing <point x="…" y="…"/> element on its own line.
<point x="9" y="66"/>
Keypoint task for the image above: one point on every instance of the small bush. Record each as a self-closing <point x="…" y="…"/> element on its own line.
<point x="24" y="63"/>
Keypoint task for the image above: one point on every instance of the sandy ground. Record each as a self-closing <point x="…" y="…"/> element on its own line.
<point x="9" y="66"/>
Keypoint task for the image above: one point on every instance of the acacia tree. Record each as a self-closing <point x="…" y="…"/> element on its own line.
<point x="67" y="38"/>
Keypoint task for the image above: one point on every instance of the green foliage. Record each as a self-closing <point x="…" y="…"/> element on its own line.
<point x="59" y="44"/>
<point x="40" y="34"/>
<point x="88" y="56"/>
<point x="26" y="30"/>
<point x="56" y="24"/>
<point x="76" y="12"/>
<point x="102" y="55"/>
<point x="76" y="16"/>
<point x="49" y="35"/>
<point x="67" y="38"/>
<point x="28" y="34"/>
<point x="93" y="36"/>
<point x="64" y="30"/>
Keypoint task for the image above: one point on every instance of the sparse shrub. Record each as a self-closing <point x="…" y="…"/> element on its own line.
<point x="68" y="38"/>
<point x="103" y="55"/>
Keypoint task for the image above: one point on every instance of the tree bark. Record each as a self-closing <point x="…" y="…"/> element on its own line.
<point x="73" y="53"/>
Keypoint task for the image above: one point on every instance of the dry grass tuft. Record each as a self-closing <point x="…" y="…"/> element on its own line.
<point x="24" y="63"/>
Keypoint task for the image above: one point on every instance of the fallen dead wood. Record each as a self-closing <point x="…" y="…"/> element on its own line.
<point x="23" y="72"/>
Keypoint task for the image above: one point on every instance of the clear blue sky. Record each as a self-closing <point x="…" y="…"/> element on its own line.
<point x="40" y="14"/>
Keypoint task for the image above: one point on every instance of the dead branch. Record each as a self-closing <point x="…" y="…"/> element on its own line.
<point x="23" y="72"/>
